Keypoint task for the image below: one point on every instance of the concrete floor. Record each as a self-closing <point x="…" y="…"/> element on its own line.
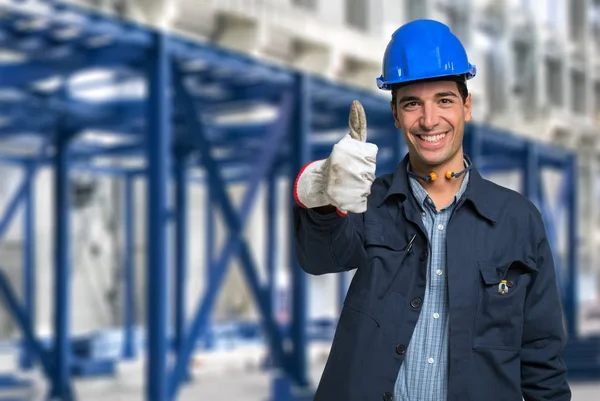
<point x="241" y="387"/>
<point x="233" y="375"/>
<point x="235" y="385"/>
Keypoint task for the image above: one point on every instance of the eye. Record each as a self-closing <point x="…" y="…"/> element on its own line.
<point x="410" y="105"/>
<point x="446" y="101"/>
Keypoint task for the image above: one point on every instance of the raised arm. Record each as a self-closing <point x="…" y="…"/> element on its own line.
<point x="331" y="197"/>
<point x="328" y="243"/>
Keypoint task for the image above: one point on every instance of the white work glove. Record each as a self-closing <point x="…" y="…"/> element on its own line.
<point x="344" y="179"/>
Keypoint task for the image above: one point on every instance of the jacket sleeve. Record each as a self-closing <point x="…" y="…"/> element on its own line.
<point x="543" y="372"/>
<point x="328" y="243"/>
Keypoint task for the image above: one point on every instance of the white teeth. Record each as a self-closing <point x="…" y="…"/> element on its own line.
<point x="433" y="138"/>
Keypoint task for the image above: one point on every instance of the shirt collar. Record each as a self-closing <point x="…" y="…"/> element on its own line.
<point x="476" y="190"/>
<point x="421" y="193"/>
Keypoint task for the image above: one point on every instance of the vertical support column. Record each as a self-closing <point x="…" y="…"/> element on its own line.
<point x="129" y="351"/>
<point x="586" y="209"/>
<point x="181" y="248"/>
<point x="300" y="146"/>
<point x="573" y="251"/>
<point x="209" y="253"/>
<point x="475" y="145"/>
<point x="272" y="212"/>
<point x="61" y="357"/>
<point x="595" y="217"/>
<point x="29" y="277"/>
<point x="532" y="175"/>
<point x="158" y="156"/>
<point x="210" y="231"/>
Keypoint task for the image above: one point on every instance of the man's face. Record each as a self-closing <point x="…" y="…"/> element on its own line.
<point x="432" y="116"/>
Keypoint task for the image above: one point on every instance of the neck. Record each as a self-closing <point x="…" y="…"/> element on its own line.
<point x="441" y="185"/>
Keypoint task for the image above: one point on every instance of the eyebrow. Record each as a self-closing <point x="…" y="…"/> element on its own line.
<point x="437" y="95"/>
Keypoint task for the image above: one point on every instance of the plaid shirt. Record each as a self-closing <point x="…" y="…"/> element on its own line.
<point x="424" y="374"/>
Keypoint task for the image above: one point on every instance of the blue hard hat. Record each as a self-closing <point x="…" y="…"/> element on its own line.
<point x="423" y="49"/>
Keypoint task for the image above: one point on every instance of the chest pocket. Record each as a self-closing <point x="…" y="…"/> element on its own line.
<point x="386" y="253"/>
<point x="499" y="314"/>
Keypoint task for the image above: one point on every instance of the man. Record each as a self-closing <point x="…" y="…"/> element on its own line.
<point x="454" y="295"/>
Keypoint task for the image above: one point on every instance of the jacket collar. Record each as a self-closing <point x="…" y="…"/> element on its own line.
<point x="479" y="191"/>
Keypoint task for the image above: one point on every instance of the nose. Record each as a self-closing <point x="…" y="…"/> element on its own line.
<point x="429" y="119"/>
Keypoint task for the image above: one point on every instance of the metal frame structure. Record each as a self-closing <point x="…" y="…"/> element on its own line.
<point x="180" y="126"/>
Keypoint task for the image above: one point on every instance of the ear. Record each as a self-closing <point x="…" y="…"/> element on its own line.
<point x="467" y="108"/>
<point x="395" y="114"/>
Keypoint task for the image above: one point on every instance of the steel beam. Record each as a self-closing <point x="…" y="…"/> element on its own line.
<point x="129" y="304"/>
<point x="61" y="357"/>
<point x="236" y="227"/>
<point x="271" y="256"/>
<point x="300" y="156"/>
<point x="181" y="249"/>
<point x="572" y="259"/>
<point x="158" y="151"/>
<point x="29" y="269"/>
<point x="19" y="314"/>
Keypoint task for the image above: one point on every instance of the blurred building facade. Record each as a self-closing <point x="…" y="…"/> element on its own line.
<point x="538" y="76"/>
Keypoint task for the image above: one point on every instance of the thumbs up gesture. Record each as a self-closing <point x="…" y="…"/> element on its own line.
<point x="344" y="179"/>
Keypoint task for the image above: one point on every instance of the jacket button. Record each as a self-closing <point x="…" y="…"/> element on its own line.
<point x="510" y="284"/>
<point x="415" y="303"/>
<point x="387" y="396"/>
<point x="400" y="349"/>
<point x="424" y="255"/>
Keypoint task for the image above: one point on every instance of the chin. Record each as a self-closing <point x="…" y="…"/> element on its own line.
<point x="432" y="159"/>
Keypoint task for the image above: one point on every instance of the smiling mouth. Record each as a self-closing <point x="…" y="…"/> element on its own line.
<point x="432" y="138"/>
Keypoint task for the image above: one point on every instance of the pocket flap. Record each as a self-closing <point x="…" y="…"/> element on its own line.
<point x="494" y="273"/>
<point x="376" y="236"/>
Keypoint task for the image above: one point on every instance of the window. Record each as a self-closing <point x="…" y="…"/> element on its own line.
<point x="594" y="16"/>
<point x="578" y="92"/>
<point x="416" y="9"/>
<point x="576" y="21"/>
<point x="495" y="77"/>
<point x="357" y="14"/>
<point x="554" y="82"/>
<point x="308" y="4"/>
<point x="458" y="21"/>
<point x="525" y="78"/>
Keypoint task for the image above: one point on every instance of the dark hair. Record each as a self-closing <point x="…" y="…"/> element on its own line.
<point x="460" y="83"/>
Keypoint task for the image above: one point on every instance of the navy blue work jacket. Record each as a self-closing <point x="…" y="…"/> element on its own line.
<point x="502" y="347"/>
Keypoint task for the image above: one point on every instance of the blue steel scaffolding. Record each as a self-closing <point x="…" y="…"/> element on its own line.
<point x="177" y="126"/>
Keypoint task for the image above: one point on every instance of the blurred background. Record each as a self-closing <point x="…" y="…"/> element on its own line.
<point x="146" y="180"/>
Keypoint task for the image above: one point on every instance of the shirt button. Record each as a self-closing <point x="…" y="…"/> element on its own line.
<point x="415" y="303"/>
<point x="439" y="272"/>
<point x="441" y="227"/>
<point x="436" y="315"/>
<point x="430" y="360"/>
<point x="400" y="349"/>
<point x="423" y="214"/>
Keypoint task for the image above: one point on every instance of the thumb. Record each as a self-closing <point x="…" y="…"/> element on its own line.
<point x="357" y="122"/>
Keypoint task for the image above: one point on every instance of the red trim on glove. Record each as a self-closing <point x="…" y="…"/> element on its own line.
<point x="296" y="183"/>
<point x="297" y="199"/>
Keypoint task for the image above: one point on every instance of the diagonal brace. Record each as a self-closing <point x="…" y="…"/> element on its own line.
<point x="236" y="226"/>
<point x="21" y="318"/>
